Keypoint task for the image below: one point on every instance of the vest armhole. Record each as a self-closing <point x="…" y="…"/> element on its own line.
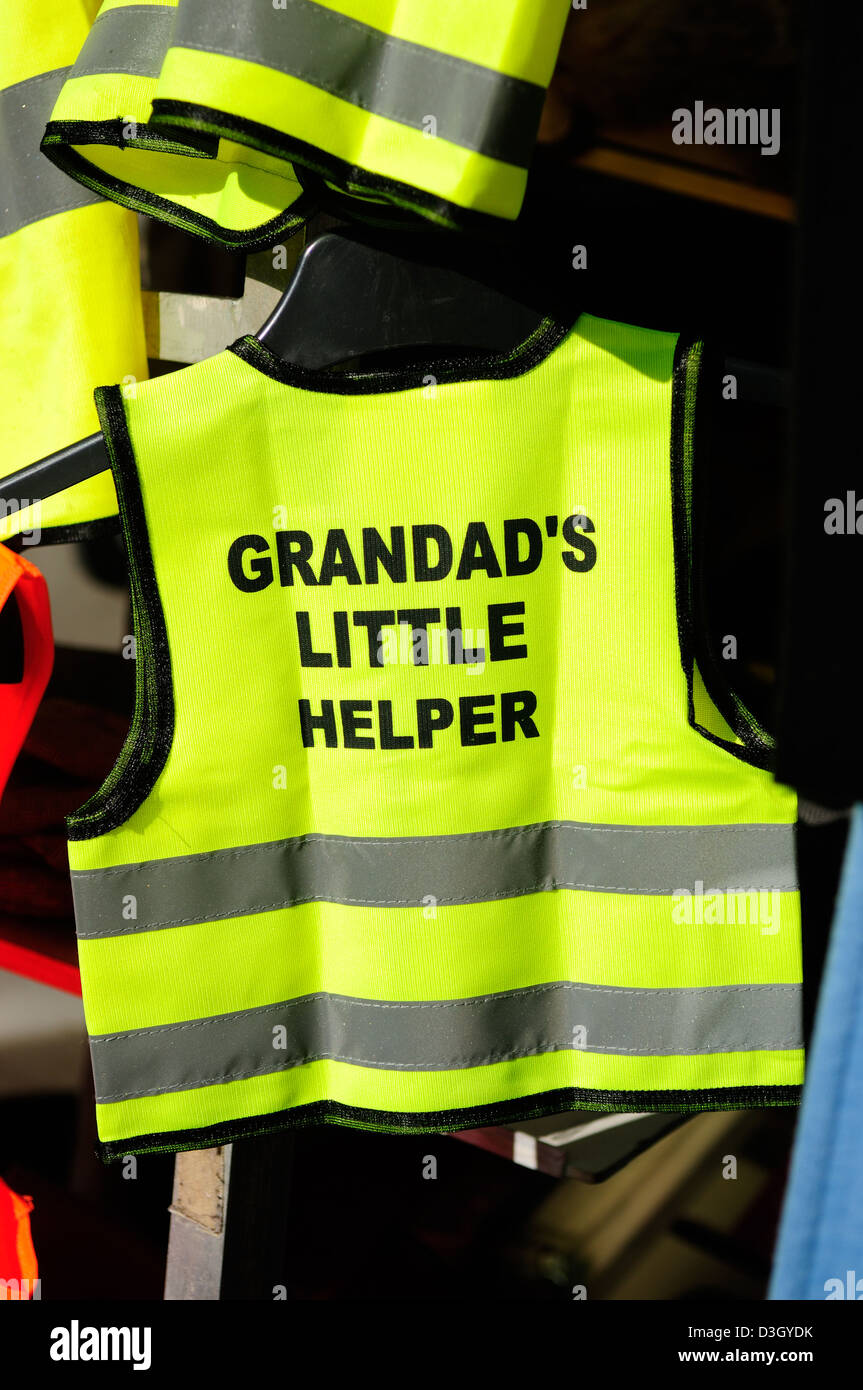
<point x="63" y="142"/>
<point x="332" y="184"/>
<point x="148" y="742"/>
<point x="705" y="679"/>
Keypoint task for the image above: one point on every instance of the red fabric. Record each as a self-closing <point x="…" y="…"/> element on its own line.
<point x="39" y="966"/>
<point x="17" y="1257"/>
<point x="68" y="751"/>
<point x="19" y="700"/>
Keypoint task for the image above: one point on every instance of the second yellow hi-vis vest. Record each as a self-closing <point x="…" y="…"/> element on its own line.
<point x="206" y="112"/>
<point x="101" y="132"/>
<point x="70" y="295"/>
<point x="426" y="819"/>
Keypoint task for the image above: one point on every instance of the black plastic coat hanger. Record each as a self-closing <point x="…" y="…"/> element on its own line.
<point x="353" y="294"/>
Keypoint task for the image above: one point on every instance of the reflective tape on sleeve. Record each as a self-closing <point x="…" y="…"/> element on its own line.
<point x="30" y="186"/>
<point x="473" y="106"/>
<point x="131" y="39"/>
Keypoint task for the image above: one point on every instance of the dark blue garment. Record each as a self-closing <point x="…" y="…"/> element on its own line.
<point x="820" y="1249"/>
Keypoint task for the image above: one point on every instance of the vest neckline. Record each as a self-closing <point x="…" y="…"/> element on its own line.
<point x="512" y="362"/>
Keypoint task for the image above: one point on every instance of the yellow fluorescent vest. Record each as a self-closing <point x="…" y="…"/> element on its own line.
<point x="431" y="108"/>
<point x="102" y="132"/>
<point x="69" y="279"/>
<point x="425" y="819"/>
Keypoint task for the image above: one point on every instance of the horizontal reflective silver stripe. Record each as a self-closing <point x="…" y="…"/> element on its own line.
<point x="445" y="1035"/>
<point x="473" y="106"/>
<point x="131" y="40"/>
<point x="30" y="186"/>
<point x="411" y="871"/>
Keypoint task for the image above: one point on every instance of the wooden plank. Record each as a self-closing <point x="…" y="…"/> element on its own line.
<point x="229" y="1221"/>
<point x="674" y="177"/>
<point x="588" y="1147"/>
<point x="196" y="1240"/>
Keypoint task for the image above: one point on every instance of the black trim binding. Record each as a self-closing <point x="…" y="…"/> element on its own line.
<point x="192" y="143"/>
<point x="61" y="136"/>
<point x="179" y="115"/>
<point x="446" y="1121"/>
<point x="379" y="214"/>
<point x="515" y="361"/>
<point x="689" y="384"/>
<point x="148" y="742"/>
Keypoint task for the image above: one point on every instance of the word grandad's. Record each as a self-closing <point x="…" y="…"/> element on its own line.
<point x="425" y="553"/>
<point x="403" y="636"/>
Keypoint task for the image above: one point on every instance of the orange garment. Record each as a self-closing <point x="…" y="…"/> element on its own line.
<point x="23" y="584"/>
<point x="17" y="1256"/>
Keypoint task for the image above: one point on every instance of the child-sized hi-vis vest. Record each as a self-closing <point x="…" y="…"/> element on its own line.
<point x="426" y="819"/>
<point x="207" y="114"/>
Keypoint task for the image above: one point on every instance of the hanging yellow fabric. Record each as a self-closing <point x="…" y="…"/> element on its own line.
<point x="431" y="108"/>
<point x="101" y="132"/>
<point x="419" y="824"/>
<point x="69" y="278"/>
